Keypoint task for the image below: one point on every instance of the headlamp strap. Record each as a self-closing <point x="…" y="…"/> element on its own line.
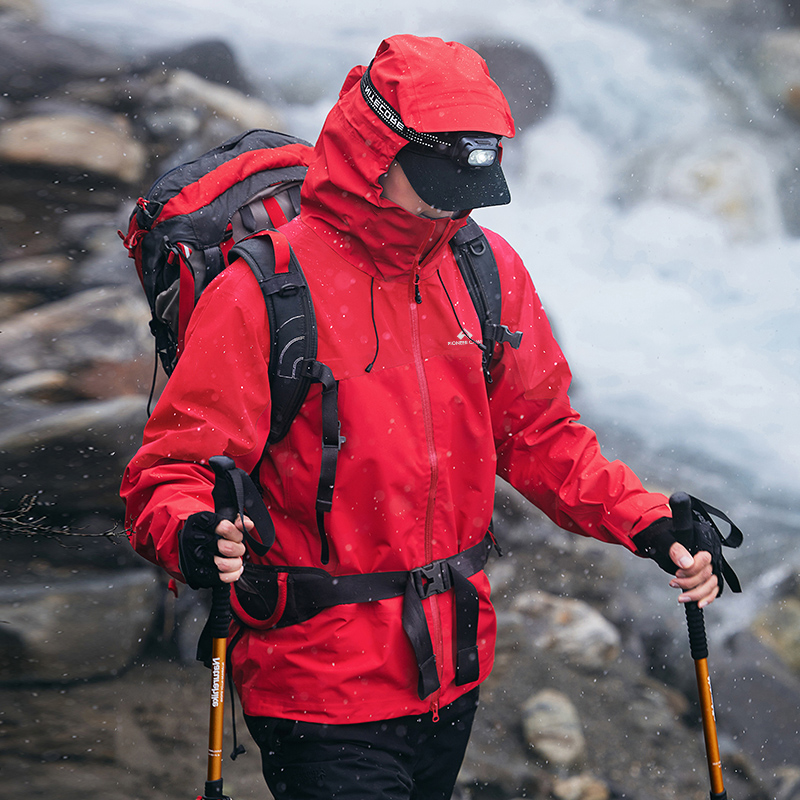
<point x="387" y="114"/>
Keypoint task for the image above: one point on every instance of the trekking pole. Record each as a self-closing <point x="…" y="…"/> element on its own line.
<point x="218" y="624"/>
<point x="681" y="506"/>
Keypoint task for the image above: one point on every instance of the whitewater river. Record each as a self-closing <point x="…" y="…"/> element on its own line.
<point x="652" y="206"/>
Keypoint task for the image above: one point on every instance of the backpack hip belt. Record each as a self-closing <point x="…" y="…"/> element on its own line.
<point x="275" y="597"/>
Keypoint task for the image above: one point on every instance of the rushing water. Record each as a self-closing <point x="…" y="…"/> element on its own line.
<point x="653" y="207"/>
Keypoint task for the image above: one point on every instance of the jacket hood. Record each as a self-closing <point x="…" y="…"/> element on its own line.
<point x="435" y="86"/>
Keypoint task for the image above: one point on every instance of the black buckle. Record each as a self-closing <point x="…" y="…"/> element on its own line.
<point x="431" y="579"/>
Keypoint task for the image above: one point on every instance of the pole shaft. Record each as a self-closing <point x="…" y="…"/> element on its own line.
<point x="217" y="709"/>
<point x="709" y="725"/>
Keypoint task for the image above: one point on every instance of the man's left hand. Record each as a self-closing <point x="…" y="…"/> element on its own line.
<point x="694" y="576"/>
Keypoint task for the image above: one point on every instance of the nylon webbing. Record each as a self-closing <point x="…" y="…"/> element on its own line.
<point x="331" y="444"/>
<point x="308" y="592"/>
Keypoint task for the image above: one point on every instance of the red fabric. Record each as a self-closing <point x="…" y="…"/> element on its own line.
<point x="273" y="208"/>
<point x="424" y="439"/>
<point x="200" y="192"/>
<point x="186" y="292"/>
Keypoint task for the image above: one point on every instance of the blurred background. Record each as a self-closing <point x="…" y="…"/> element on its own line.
<point x="656" y="203"/>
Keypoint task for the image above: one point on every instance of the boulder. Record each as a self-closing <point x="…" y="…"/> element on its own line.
<point x="570" y="628"/>
<point x="777" y="65"/>
<point x="82" y="626"/>
<point x="46" y="273"/>
<point x="74" y="142"/>
<point x="34" y="60"/>
<point x="212" y="60"/>
<point x="552" y="728"/>
<point x="724" y="177"/>
<point x="581" y="787"/>
<point x="16" y="302"/>
<point x="182" y="89"/>
<point x="25" y="10"/>
<point x="71" y="456"/>
<point x="100" y="337"/>
<point x="756" y="701"/>
<point x="777" y="627"/>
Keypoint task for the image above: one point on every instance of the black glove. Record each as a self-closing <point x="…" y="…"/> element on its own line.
<point x="197" y="546"/>
<point x="656" y="539"/>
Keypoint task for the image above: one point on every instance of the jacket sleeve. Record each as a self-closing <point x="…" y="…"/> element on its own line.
<point x="543" y="450"/>
<point x="215" y="403"/>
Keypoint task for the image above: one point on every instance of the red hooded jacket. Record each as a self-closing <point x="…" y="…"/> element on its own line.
<point x="425" y="434"/>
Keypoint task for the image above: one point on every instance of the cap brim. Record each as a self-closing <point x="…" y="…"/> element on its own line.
<point x="444" y="184"/>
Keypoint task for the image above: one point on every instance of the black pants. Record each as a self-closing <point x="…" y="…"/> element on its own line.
<point x="407" y="758"/>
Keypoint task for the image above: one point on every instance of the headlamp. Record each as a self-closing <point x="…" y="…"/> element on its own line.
<point x="470" y="150"/>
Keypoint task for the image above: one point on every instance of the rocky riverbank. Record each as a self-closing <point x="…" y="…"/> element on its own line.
<point x="592" y="697"/>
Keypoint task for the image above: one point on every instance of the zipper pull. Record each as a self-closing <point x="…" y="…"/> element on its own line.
<point x="417" y="295"/>
<point x="435" y="710"/>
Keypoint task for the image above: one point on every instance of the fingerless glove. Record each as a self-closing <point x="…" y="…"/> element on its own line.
<point x="197" y="546"/>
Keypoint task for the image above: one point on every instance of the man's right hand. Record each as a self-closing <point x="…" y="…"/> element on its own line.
<point x="211" y="549"/>
<point x="230" y="546"/>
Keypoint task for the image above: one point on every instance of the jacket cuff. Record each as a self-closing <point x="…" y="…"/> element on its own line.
<point x="655" y="541"/>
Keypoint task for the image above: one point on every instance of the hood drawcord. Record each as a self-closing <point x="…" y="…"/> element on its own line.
<point x="466" y="333"/>
<point x="371" y="364"/>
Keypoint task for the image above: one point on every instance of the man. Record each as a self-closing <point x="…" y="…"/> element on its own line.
<point x="375" y="698"/>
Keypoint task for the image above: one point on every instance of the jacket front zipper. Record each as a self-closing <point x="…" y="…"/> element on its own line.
<point x="433" y="460"/>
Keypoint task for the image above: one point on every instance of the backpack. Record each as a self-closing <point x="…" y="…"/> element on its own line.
<point x="227" y="203"/>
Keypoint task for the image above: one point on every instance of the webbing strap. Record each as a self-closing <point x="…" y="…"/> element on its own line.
<point x="283" y="253"/>
<point x="433" y="579"/>
<point x="249" y="499"/>
<point x="186" y="290"/>
<point x="416" y="627"/>
<point x="467" y="606"/>
<point x="273" y="208"/>
<point x="331" y="444"/>
<point x="309" y="591"/>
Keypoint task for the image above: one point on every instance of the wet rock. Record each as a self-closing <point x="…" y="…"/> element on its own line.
<point x="212" y="60"/>
<point x="725" y="177"/>
<point x="777" y="66"/>
<point x="778" y="625"/>
<point x="71" y="456"/>
<point x="48" y="385"/>
<point x="33" y="59"/>
<point x="183" y="89"/>
<point x="73" y="141"/>
<point x="570" y="628"/>
<point x="73" y="628"/>
<point x="756" y="698"/>
<point x="788" y="783"/>
<point x="84" y="334"/>
<point x="23" y="10"/>
<point x="552" y="728"/>
<point x="17" y="302"/>
<point x="45" y="273"/>
<point x="581" y="787"/>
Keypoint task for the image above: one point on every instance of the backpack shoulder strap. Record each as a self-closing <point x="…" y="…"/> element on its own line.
<point x="478" y="267"/>
<point x="293" y="364"/>
<point x="292" y="323"/>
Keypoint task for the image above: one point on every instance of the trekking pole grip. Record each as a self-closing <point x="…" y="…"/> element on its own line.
<point x="681" y="505"/>
<point x="225" y="505"/>
<point x="698" y="644"/>
<point x="219" y="618"/>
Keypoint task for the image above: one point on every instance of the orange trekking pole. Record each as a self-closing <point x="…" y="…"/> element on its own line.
<point x="234" y="493"/>
<point x="685" y="533"/>
<point x="219" y="621"/>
